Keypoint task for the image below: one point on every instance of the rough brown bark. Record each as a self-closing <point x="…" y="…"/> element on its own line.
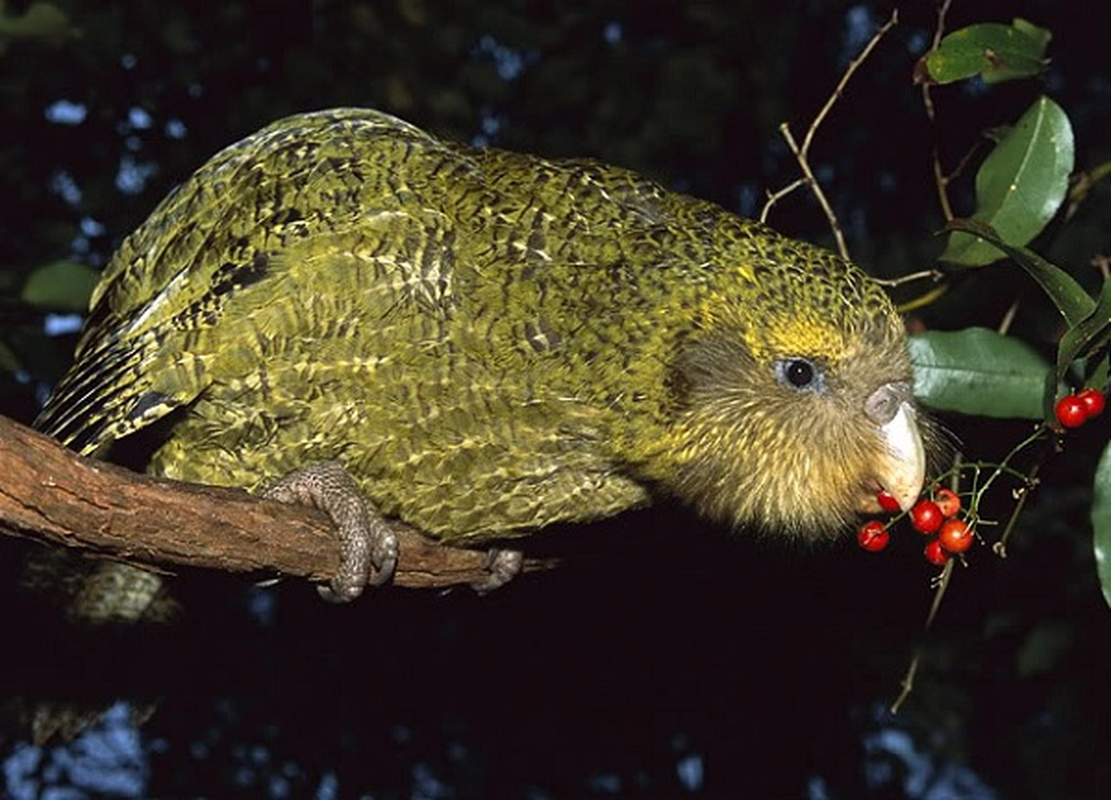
<point x="50" y="494"/>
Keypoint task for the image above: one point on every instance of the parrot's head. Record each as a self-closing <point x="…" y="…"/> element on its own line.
<point x="792" y="401"/>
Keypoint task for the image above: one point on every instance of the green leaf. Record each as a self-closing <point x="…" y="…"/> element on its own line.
<point x="1099" y="373"/>
<point x="1021" y="183"/>
<point x="1089" y="335"/>
<point x="61" y="285"/>
<point x="1101" y="523"/>
<point x="1040" y="36"/>
<point x="992" y="50"/>
<point x="1071" y="300"/>
<point x="978" y="371"/>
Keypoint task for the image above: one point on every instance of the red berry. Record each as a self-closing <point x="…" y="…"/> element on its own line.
<point x="948" y="501"/>
<point x="887" y="501"/>
<point x="926" y="516"/>
<point x="872" y="536"/>
<point x="1071" y="411"/>
<point x="1093" y="401"/>
<point x="935" y="553"/>
<point x="955" y="535"/>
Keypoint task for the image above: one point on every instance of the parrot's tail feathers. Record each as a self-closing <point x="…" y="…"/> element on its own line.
<point x="105" y="398"/>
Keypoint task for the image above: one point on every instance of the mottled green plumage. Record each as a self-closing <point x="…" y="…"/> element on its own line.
<point x="490" y="342"/>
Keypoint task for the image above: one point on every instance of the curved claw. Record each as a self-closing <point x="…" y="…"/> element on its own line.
<point x="367" y="539"/>
<point x="503" y="566"/>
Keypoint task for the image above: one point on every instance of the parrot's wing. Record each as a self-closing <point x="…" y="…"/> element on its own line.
<point x="167" y="278"/>
<point x="117" y="384"/>
<point x="146" y="349"/>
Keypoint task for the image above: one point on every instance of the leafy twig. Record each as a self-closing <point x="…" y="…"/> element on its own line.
<point x="941" y="179"/>
<point x="927" y="99"/>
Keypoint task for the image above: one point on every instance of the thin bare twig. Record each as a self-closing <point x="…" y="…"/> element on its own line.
<point x="942" y="180"/>
<point x="922" y="300"/>
<point x="816" y="188"/>
<point x="854" y="65"/>
<point x="907" y="683"/>
<point x="1008" y="318"/>
<point x="1022" y="494"/>
<point x="932" y="274"/>
<point x="775" y="197"/>
<point x="802" y="152"/>
<point x="942" y="586"/>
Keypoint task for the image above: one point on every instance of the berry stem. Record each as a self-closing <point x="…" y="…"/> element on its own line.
<point x="1000" y="547"/>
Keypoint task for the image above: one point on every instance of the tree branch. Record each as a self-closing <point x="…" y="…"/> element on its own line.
<point x="52" y="495"/>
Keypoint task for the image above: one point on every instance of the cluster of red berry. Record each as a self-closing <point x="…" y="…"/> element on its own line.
<point x="1073" y="410"/>
<point x="938" y="515"/>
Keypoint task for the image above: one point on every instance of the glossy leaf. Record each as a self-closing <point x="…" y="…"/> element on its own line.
<point x="1021" y="184"/>
<point x="994" y="51"/>
<point x="61" y="285"/>
<point x="1089" y="335"/>
<point x="1101" y="523"/>
<point x="1071" y="300"/>
<point x="979" y="371"/>
<point x="1099" y="373"/>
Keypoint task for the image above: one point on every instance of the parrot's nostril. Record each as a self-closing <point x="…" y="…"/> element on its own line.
<point x="883" y="404"/>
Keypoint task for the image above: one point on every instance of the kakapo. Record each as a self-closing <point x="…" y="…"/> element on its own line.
<point x="481" y="343"/>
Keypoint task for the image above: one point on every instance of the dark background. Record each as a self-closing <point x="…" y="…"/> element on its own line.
<point x="666" y="658"/>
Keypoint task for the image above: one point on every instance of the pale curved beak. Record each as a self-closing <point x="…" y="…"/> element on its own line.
<point x="902" y="470"/>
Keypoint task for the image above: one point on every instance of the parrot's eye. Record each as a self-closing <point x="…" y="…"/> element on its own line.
<point x="799" y="373"/>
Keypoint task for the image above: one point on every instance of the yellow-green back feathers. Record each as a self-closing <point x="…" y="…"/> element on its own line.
<point x="490" y="342"/>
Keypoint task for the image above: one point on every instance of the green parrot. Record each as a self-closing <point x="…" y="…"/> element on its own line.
<point x="345" y="310"/>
